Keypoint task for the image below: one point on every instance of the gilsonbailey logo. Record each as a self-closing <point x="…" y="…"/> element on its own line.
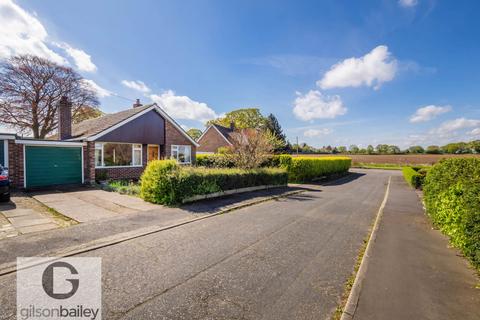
<point x="62" y="312"/>
<point x="47" y="280"/>
<point x="59" y="288"/>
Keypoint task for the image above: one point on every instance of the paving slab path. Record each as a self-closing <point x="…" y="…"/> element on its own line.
<point x="18" y="219"/>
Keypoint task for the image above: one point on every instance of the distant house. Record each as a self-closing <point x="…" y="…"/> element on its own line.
<point x="114" y="146"/>
<point x="215" y="137"/>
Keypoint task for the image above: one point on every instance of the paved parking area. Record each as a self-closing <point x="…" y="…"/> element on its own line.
<point x="21" y="217"/>
<point x="86" y="204"/>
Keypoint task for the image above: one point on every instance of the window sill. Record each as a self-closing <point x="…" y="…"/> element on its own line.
<point x="113" y="167"/>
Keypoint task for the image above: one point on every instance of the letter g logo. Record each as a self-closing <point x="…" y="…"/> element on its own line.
<point x="47" y="280"/>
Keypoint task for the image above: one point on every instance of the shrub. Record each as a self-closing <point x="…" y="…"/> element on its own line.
<point x="272" y="161"/>
<point x="123" y="187"/>
<point x="214" y="161"/>
<point x="225" y="161"/>
<point x="167" y="183"/>
<point x="452" y="200"/>
<point x="158" y="180"/>
<point x="413" y="177"/>
<point x="445" y="174"/>
<point x="458" y="216"/>
<point x="302" y="169"/>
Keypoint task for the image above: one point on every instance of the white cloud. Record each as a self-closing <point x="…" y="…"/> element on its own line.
<point x="315" y="105"/>
<point x="428" y="113"/>
<point x="451" y="126"/>
<point x="408" y="3"/>
<point x="82" y="60"/>
<point x="475" y="132"/>
<point x="136" y="85"/>
<point x="101" y="92"/>
<point x="182" y="107"/>
<point x="23" y="33"/>
<point x="317" y="132"/>
<point x="373" y="69"/>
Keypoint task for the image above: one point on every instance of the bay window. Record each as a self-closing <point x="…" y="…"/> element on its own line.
<point x="118" y="155"/>
<point x="183" y="154"/>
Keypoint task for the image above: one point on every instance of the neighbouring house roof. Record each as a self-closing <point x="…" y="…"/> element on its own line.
<point x="93" y="129"/>
<point x="225" y="132"/>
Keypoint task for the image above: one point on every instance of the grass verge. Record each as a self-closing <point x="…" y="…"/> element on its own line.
<point x="384" y="166"/>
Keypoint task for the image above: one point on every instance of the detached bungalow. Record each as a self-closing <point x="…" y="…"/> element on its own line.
<point x="114" y="146"/>
<point x="215" y="137"/>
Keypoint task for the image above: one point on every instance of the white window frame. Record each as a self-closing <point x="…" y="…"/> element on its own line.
<point x="176" y="147"/>
<point x="135" y="147"/>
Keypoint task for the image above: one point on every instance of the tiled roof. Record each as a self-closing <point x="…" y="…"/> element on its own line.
<point x="226" y="132"/>
<point x="92" y="127"/>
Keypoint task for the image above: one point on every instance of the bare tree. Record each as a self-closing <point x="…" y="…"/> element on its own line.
<point x="30" y="89"/>
<point x="250" y="147"/>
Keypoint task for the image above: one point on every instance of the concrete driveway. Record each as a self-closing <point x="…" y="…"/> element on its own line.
<point x="86" y="204"/>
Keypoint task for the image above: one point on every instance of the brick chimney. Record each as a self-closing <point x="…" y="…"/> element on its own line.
<point x="137" y="104"/>
<point x="64" y="119"/>
<point x="232" y="126"/>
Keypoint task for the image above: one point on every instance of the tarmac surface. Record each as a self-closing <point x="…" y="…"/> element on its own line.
<point x="287" y="258"/>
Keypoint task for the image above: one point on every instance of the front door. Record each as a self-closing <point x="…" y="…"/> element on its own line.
<point x="153" y="152"/>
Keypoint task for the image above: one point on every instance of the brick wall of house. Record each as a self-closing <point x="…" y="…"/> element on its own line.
<point x="133" y="173"/>
<point x="15" y="164"/>
<point x="89" y="162"/>
<point x="211" y="141"/>
<point x="174" y="137"/>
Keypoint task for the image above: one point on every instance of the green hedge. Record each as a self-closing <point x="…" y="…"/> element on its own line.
<point x="166" y="182"/>
<point x="214" y="161"/>
<point x="218" y="160"/>
<point x="413" y="177"/>
<point x="303" y="169"/>
<point x="452" y="200"/>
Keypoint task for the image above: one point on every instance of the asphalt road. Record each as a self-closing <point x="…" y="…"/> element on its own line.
<point x="283" y="259"/>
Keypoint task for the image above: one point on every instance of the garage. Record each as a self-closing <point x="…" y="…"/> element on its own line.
<point x="50" y="165"/>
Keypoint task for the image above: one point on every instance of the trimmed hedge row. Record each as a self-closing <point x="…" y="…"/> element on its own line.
<point x="303" y="169"/>
<point x="413" y="177"/>
<point x="166" y="182"/>
<point x="218" y="160"/>
<point x="452" y="200"/>
<point x="214" y="161"/>
<point x="300" y="169"/>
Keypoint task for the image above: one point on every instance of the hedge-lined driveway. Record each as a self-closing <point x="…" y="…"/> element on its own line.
<point x="282" y="259"/>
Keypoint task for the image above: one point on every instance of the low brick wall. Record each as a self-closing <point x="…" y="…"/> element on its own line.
<point x="119" y="173"/>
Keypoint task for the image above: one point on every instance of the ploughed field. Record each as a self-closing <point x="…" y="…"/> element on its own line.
<point x="399" y="159"/>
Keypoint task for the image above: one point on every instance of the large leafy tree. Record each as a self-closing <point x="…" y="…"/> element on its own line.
<point x="194" y="133"/>
<point x="250" y="118"/>
<point x="416" y="149"/>
<point x="274" y="127"/>
<point x="30" y="89"/>
<point x="83" y="113"/>
<point x="475" y="146"/>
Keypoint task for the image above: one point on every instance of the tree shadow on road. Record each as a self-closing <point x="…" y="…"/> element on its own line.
<point x="343" y="180"/>
<point x="209" y="206"/>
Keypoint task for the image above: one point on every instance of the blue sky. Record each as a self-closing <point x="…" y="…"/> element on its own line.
<point x="333" y="72"/>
